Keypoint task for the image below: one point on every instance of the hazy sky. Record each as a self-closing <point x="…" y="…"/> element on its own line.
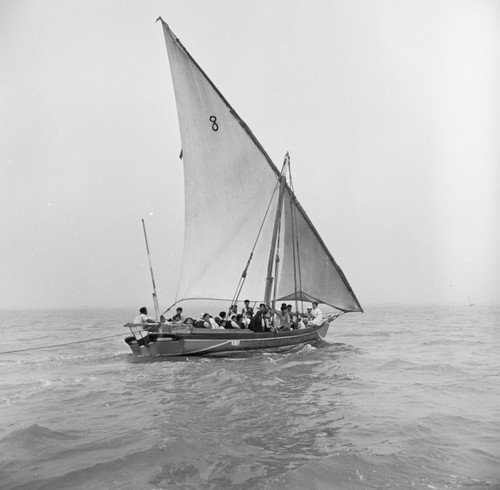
<point x="390" y="111"/>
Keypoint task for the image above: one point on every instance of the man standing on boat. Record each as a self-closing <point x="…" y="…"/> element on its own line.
<point x="258" y="322"/>
<point x="246" y="308"/>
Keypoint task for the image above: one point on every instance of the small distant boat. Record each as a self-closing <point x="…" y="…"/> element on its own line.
<point x="246" y="234"/>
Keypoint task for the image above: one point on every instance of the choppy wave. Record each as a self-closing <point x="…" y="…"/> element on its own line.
<point x="392" y="399"/>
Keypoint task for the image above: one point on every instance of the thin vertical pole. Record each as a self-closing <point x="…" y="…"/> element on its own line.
<point x="269" y="278"/>
<point x="296" y="249"/>
<point x="155" y="298"/>
<point x="276" y="270"/>
<point x="295" y="258"/>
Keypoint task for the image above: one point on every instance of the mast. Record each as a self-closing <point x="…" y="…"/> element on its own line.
<point x="295" y="258"/>
<point x="276" y="270"/>
<point x="273" y="253"/>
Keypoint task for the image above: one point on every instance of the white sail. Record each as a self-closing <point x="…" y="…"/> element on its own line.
<point x="308" y="270"/>
<point x="229" y="183"/>
<point x="231" y="194"/>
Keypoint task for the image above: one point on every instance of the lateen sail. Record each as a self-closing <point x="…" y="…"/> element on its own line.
<point x="230" y="187"/>
<point x="308" y="270"/>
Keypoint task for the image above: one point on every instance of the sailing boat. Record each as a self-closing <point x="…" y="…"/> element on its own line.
<point x="246" y="234"/>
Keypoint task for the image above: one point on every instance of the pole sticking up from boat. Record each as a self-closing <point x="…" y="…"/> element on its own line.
<point x="272" y="257"/>
<point x="155" y="298"/>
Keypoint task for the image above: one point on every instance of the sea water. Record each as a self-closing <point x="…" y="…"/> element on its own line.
<point x="397" y="397"/>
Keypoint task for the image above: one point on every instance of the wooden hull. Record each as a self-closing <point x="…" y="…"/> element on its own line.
<point x="202" y="342"/>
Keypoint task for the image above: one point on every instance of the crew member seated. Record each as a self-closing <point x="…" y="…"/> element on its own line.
<point x="316" y="315"/>
<point x="178" y="318"/>
<point x="282" y="318"/>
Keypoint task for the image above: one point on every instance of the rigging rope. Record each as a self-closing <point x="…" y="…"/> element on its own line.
<point x="295" y="245"/>
<point x="59" y="345"/>
<point x="241" y="282"/>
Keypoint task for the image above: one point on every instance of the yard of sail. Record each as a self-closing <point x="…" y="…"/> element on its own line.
<point x="229" y="183"/>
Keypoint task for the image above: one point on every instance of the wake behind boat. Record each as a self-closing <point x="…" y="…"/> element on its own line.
<point x="246" y="236"/>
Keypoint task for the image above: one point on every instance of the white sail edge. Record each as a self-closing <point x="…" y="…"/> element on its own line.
<point x="243" y="124"/>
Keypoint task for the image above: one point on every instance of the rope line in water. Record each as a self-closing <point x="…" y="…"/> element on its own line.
<point x="59" y="345"/>
<point x="83" y="341"/>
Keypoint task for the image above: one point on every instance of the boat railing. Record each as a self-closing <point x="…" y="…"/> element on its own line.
<point x="140" y="331"/>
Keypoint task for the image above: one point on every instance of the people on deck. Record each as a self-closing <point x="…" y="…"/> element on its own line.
<point x="247" y="318"/>
<point x="221" y="319"/>
<point x="316" y="314"/>
<point x="294" y="317"/>
<point x="300" y="324"/>
<point x="246" y="307"/>
<point x="209" y="322"/>
<point x="233" y="310"/>
<point x="260" y="321"/>
<point x="266" y="319"/>
<point x="143" y="318"/>
<point x="178" y="318"/>
<point x="232" y="323"/>
<point x="282" y="318"/>
<point x="309" y="316"/>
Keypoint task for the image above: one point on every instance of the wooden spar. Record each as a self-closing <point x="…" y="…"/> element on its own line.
<point x="272" y="252"/>
<point x="155" y="298"/>
<point x="276" y="267"/>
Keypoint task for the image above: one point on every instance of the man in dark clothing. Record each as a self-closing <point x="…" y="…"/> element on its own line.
<point x="258" y="322"/>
